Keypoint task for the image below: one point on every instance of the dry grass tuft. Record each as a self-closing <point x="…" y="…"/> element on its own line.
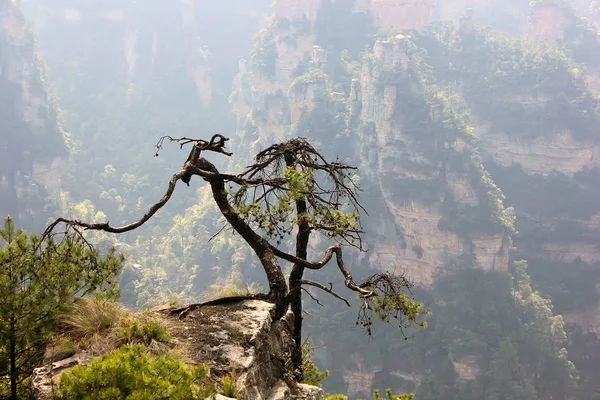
<point x="60" y="348"/>
<point x="228" y="384"/>
<point x="230" y="289"/>
<point x="89" y="316"/>
<point x="144" y="328"/>
<point x="99" y="326"/>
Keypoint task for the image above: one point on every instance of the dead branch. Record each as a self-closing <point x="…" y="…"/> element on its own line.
<point x="216" y="144"/>
<point x="126" y="228"/>
<point x="337" y="250"/>
<point x="323" y="288"/>
<point x="313" y="297"/>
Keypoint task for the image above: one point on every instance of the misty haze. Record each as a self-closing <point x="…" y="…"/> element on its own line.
<point x="300" y="199"/>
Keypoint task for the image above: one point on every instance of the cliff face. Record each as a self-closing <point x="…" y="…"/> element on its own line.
<point x="406" y="14"/>
<point x="409" y="236"/>
<point x="507" y="16"/>
<point x="139" y="41"/>
<point x="409" y="233"/>
<point x="33" y="145"/>
<point x="449" y="149"/>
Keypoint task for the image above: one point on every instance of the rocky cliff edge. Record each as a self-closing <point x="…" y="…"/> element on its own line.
<point x="233" y="337"/>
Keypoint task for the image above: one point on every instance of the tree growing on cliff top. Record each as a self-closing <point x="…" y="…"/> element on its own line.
<point x="290" y="189"/>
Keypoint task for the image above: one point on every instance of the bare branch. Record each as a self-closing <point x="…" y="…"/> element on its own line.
<point x="218" y="233"/>
<point x="337" y="249"/>
<point x="106" y="226"/>
<point x="216" y="144"/>
<point x="323" y="288"/>
<point x="312" y="297"/>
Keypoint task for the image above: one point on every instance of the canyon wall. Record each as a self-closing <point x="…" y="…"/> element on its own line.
<point x="428" y="206"/>
<point x="33" y="148"/>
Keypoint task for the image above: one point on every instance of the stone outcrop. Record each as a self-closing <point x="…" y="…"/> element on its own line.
<point x="466" y="368"/>
<point x="239" y="338"/>
<point x="297" y="9"/>
<point x="547" y="22"/>
<point x="45" y="378"/>
<point x="419" y="248"/>
<point x="504" y="15"/>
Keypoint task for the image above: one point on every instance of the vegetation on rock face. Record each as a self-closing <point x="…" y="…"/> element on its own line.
<point x="376" y="396"/>
<point x="132" y="372"/>
<point x="488" y="335"/>
<point x="264" y="55"/>
<point x="512" y="84"/>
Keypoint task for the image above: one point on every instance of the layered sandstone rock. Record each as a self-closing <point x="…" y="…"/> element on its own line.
<point x="547" y="22"/>
<point x="542" y="155"/>
<point x="409" y="238"/>
<point x="412" y="244"/>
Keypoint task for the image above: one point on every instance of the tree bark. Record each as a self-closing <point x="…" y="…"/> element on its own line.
<point x="14" y="375"/>
<point x="262" y="248"/>
<point x="296" y="275"/>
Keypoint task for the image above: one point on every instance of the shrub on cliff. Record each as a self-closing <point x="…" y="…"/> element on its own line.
<point x="39" y="278"/>
<point x="133" y="372"/>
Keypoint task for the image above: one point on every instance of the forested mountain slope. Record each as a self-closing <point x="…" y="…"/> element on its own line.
<point x="475" y="148"/>
<point x="32" y="140"/>
<point x="474" y="126"/>
<point x="128" y="73"/>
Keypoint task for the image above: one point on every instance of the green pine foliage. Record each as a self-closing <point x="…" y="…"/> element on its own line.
<point x="144" y="329"/>
<point x="312" y="374"/>
<point x="134" y="373"/>
<point x="38" y="280"/>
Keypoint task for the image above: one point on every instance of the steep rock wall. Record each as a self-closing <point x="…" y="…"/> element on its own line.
<point x="33" y="145"/>
<point x="297" y="9"/>
<point x="542" y="155"/>
<point x="409" y="237"/>
<point x="141" y="43"/>
<point x="403" y="14"/>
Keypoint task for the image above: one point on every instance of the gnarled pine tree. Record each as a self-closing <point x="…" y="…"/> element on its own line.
<point x="290" y="188"/>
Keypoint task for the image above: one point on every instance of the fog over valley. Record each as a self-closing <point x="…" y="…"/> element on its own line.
<point x="300" y="199"/>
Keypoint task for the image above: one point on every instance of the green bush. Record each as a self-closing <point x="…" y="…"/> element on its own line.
<point x="60" y="348"/>
<point x="229" y="386"/>
<point x="376" y="396"/>
<point x="144" y="330"/>
<point x="312" y="375"/>
<point x="134" y="373"/>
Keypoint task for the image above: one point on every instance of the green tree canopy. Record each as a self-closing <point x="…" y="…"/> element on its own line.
<point x="38" y="278"/>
